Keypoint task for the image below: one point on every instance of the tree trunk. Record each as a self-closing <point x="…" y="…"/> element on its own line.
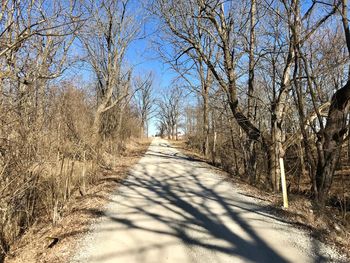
<point x="277" y="120"/>
<point x="302" y="172"/>
<point x="176" y="133"/>
<point x="251" y="162"/>
<point x="251" y="100"/>
<point x="120" y="121"/>
<point x="330" y="142"/>
<point x="205" y="123"/>
<point x="276" y="152"/>
<point x="146" y="126"/>
<point x="213" y="150"/>
<point x="331" y="138"/>
<point x="251" y="144"/>
<point x="142" y="128"/>
<point x="97" y="125"/>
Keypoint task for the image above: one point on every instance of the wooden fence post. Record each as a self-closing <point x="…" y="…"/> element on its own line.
<point x="284" y="185"/>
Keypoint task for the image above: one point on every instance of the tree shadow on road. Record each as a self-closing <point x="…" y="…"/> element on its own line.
<point x="187" y="197"/>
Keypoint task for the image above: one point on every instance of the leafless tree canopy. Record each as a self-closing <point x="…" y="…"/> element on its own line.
<point x="271" y="80"/>
<point x="259" y="83"/>
<point x="57" y="130"/>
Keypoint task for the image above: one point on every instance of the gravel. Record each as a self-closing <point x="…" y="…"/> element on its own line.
<point x="172" y="209"/>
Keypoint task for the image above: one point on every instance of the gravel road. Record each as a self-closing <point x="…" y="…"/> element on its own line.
<point x="175" y="210"/>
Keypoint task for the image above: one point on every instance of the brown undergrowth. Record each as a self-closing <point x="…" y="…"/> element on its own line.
<point x="330" y="227"/>
<point x="48" y="242"/>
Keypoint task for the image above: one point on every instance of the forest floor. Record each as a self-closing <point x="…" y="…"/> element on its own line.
<point x="331" y="227"/>
<point x="45" y="242"/>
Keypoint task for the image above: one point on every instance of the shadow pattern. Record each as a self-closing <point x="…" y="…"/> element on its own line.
<point x="199" y="211"/>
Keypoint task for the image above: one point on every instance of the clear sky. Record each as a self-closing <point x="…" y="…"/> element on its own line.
<point x="142" y="55"/>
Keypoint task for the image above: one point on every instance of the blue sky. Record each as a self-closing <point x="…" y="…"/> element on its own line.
<point x="142" y="56"/>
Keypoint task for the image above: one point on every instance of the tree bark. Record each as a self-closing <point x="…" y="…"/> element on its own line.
<point x="330" y="141"/>
<point x="205" y="122"/>
<point x="251" y="100"/>
<point x="331" y="138"/>
<point x="251" y="144"/>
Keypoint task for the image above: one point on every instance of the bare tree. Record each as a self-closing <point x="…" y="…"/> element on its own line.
<point x="218" y="21"/>
<point x="189" y="21"/>
<point x="169" y="109"/>
<point x="35" y="39"/>
<point x="331" y="137"/>
<point x="110" y="30"/>
<point x="144" y="101"/>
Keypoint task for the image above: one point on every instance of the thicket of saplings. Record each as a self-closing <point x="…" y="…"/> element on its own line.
<point x="227" y="149"/>
<point x="56" y="131"/>
<point x="45" y="159"/>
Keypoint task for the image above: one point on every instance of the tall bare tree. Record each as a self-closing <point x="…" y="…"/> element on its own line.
<point x="331" y="137"/>
<point x="106" y="37"/>
<point x="144" y="101"/>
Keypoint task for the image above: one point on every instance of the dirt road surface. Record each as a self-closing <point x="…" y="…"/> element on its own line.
<point x="175" y="210"/>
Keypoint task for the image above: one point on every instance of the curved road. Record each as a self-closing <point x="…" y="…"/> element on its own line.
<point x="175" y="210"/>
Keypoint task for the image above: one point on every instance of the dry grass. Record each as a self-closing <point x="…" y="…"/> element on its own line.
<point x="49" y="157"/>
<point x="48" y="242"/>
<point x="190" y="152"/>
